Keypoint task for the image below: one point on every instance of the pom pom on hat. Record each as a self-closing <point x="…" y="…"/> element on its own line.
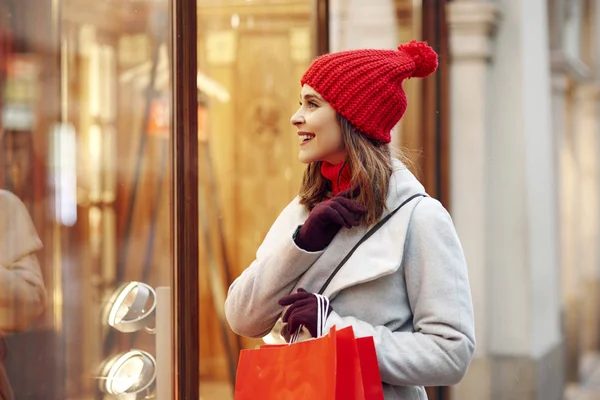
<point x="424" y="57"/>
<point x="365" y="85"/>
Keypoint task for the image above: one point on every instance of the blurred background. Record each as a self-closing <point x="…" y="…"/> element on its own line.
<point x="505" y="134"/>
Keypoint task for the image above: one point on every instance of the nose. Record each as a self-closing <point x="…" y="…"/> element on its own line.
<point x="297" y="119"/>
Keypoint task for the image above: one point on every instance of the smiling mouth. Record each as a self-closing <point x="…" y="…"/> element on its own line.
<point x="305" y="138"/>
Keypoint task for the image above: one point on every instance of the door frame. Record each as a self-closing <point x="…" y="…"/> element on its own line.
<point x="184" y="154"/>
<point x="184" y="203"/>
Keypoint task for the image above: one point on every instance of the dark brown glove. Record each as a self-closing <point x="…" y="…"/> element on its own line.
<point x="302" y="311"/>
<point x="326" y="220"/>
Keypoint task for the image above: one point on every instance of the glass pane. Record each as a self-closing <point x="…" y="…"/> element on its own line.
<point x="84" y="210"/>
<point x="251" y="55"/>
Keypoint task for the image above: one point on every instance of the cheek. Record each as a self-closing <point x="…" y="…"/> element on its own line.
<point x="329" y="134"/>
<point x="334" y="136"/>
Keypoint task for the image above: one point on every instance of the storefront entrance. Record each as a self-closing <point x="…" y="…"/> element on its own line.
<point x="150" y="144"/>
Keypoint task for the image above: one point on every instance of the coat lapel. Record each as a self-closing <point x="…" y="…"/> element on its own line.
<point x="382" y="253"/>
<point x="378" y="256"/>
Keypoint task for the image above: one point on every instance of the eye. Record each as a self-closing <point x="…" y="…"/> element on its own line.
<point x="311" y="104"/>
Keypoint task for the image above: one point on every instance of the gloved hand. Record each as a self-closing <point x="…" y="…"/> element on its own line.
<point x="303" y="310"/>
<point x="326" y="220"/>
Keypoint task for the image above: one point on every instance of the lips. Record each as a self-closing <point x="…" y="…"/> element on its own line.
<point x="305" y="137"/>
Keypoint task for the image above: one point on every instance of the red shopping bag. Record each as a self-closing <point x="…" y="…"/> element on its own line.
<point x="371" y="377"/>
<point x="349" y="383"/>
<point x="327" y="368"/>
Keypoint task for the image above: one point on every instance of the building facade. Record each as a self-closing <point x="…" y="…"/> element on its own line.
<point x="149" y="143"/>
<point x="524" y="177"/>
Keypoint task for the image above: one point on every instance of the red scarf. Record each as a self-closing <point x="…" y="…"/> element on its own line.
<point x="338" y="175"/>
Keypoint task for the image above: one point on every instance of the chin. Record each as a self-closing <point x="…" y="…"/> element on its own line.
<point x="306" y="159"/>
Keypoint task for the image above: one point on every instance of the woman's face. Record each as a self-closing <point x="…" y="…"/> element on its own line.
<point x="319" y="133"/>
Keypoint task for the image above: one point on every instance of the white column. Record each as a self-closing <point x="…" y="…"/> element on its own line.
<point x="523" y="238"/>
<point x="504" y="196"/>
<point x="522" y="220"/>
<point x="471" y="25"/>
<point x="356" y="24"/>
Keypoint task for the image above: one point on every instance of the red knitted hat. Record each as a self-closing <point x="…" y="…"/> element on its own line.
<point x="365" y="86"/>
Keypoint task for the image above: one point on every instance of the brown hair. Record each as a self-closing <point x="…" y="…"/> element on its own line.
<point x="371" y="165"/>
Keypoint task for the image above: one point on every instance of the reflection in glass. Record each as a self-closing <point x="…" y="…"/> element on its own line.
<point x="87" y="153"/>
<point x="132" y="307"/>
<point x="130" y="373"/>
<point x="22" y="289"/>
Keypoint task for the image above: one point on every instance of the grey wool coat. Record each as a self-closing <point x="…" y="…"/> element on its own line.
<point x="407" y="286"/>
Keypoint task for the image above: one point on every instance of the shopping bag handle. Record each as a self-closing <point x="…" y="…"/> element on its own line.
<point x="364" y="238"/>
<point x="322" y="308"/>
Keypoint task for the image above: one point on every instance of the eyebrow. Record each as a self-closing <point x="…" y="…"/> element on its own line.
<point x="311" y="96"/>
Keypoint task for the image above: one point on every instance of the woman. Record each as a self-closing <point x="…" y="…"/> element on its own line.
<point x="22" y="290"/>
<point x="407" y="284"/>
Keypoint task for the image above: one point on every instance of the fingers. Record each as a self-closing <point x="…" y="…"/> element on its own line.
<point x="297" y="320"/>
<point x="350" y="218"/>
<point x="303" y="313"/>
<point x="301" y="297"/>
<point x="295" y="306"/>
<point x="334" y="213"/>
<point x="344" y="216"/>
<point x="340" y="211"/>
<point x="351" y="205"/>
<point x="292" y="298"/>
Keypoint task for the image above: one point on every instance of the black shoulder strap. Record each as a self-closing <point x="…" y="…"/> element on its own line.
<point x="365" y="237"/>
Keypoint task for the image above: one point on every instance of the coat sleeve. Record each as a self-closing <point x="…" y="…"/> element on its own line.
<point x="23" y="295"/>
<point x="439" y="350"/>
<point x="22" y="290"/>
<point x="251" y="306"/>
